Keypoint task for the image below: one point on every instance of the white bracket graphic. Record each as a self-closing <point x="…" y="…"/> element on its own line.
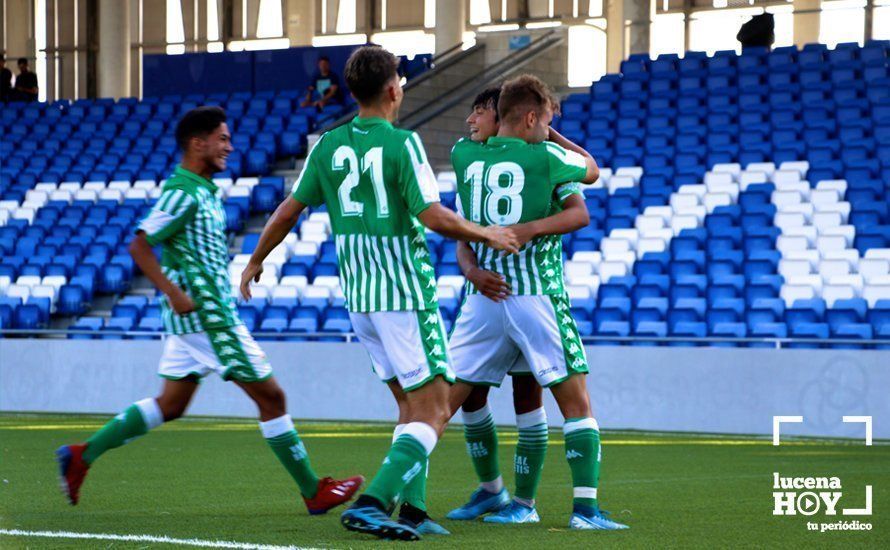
<point x="867" y="421"/>
<point x="779" y="420"/>
<point x="861" y="511"/>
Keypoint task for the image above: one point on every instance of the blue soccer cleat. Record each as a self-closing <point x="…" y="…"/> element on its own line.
<point x="515" y="512"/>
<point x="426" y="527"/>
<point x="373" y="521"/>
<point x="481" y="502"/>
<point x="586" y="517"/>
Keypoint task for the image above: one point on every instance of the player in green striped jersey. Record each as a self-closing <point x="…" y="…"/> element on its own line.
<point x="381" y="193"/>
<point x="204" y="332"/>
<point x="516" y="177"/>
<point x="531" y="419"/>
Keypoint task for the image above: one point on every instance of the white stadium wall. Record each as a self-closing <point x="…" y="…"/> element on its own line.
<point x="675" y="389"/>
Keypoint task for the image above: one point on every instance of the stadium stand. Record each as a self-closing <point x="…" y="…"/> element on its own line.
<point x="742" y="196"/>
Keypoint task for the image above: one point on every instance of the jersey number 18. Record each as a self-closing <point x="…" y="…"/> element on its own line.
<point x="502" y="204"/>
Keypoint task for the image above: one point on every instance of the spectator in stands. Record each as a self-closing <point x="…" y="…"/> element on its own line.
<point x="760" y="31"/>
<point x="325" y="87"/>
<point x="5" y="80"/>
<point x="25" y="83"/>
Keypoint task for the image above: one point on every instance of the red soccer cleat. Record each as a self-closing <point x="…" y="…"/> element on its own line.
<point x="332" y="493"/>
<point x="72" y="470"/>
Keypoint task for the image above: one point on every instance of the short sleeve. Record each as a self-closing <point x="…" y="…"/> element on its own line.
<point x="174" y="209"/>
<point x="307" y="188"/>
<point x="417" y="183"/>
<point x="566" y="190"/>
<point x="565" y="166"/>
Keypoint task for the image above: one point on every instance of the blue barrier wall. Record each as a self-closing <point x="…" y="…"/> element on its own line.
<point x="726" y="390"/>
<point x="229" y="72"/>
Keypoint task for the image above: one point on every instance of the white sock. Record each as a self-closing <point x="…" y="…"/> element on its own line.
<point x="494" y="486"/>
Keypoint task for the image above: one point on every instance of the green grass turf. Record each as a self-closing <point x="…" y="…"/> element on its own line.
<point x="216" y="479"/>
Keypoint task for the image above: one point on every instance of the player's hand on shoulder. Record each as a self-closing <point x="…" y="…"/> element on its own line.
<point x="502" y="238"/>
<point x="180" y="302"/>
<point x="490" y="284"/>
<point x="251" y="272"/>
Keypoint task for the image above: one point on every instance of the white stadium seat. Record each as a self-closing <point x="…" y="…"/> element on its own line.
<point x="832" y="293"/>
<point x="611" y="245"/>
<point x="634" y="172"/>
<point x="285" y="293"/>
<point x="838" y="186"/>
<point x="854" y="281"/>
<point x="681" y="202"/>
<point x="609" y="269"/>
<point x="790" y="268"/>
<point x="120" y="185"/>
<point x="790" y="293"/>
<point x="766" y="167"/>
<point x="806" y="231"/>
<point x="577" y="269"/>
<point x="454" y="281"/>
<point x="23" y="214"/>
<point x="750" y="177"/>
<point x="833" y="268"/>
<point x="734" y="169"/>
<point x="782" y="177"/>
<point x="696" y="189"/>
<point x="874" y="267"/>
<point x="248" y="182"/>
<point x="784" y="220"/>
<point x="645" y="223"/>
<point x="18" y="291"/>
<point x="620" y="182"/>
<point x="590" y="281"/>
<point x="718" y="178"/>
<point x="824" y="196"/>
<point x="781" y="198"/>
<point x="813" y="280"/>
<point x="808" y="255"/>
<point x="590" y="256"/>
<point x="848" y="232"/>
<point x="681" y="222"/>
<point x="71" y="186"/>
<point x="824" y="220"/>
<point x="873" y="293"/>
<point x="830" y="242"/>
<point x="650" y="245"/>
<point x="111" y="195"/>
<point x="55" y="281"/>
<point x="713" y="200"/>
<point x="296" y="281"/>
<point x="801" y="166"/>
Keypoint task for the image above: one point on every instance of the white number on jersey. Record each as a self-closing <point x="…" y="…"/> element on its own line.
<point x="498" y="196"/>
<point x="372" y="163"/>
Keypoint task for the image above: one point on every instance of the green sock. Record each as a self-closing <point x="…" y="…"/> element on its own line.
<point x="414" y="492"/>
<point x="582" y="437"/>
<point x="407" y="459"/>
<point x="287" y="446"/>
<point x="136" y="420"/>
<point x="530" y="452"/>
<point x="482" y="443"/>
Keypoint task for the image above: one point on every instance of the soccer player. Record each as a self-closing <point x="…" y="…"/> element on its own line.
<point x="380" y="192"/>
<point x="479" y="429"/>
<point x="512" y="179"/>
<point x="201" y="319"/>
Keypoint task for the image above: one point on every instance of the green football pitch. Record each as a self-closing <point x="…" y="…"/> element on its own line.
<point x="215" y="480"/>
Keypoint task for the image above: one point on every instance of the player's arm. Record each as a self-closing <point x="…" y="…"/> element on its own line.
<point x="593" y="171"/>
<point x="279" y="225"/>
<point x="142" y="253"/>
<point x="573" y="217"/>
<point x="447" y="223"/>
<point x="419" y="188"/>
<point x="169" y="215"/>
<point x="490" y="284"/>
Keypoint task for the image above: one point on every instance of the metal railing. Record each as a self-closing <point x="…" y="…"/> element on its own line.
<point x="464" y="90"/>
<point x="438" y="63"/>
<point x="348" y="337"/>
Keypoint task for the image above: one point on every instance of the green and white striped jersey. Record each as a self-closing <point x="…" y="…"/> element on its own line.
<point x="190" y="224"/>
<point x="375" y="179"/>
<point x="506" y="181"/>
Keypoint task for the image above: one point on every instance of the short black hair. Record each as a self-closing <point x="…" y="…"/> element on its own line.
<point x="368" y="70"/>
<point x="23" y="61"/>
<point x="488" y="99"/>
<point x="198" y="122"/>
<point x="325" y="58"/>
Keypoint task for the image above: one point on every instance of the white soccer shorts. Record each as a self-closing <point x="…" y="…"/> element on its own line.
<point x="489" y="338"/>
<point x="230" y="352"/>
<point x="408" y="346"/>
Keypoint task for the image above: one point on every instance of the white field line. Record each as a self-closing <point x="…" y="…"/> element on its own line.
<point x="146" y="538"/>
